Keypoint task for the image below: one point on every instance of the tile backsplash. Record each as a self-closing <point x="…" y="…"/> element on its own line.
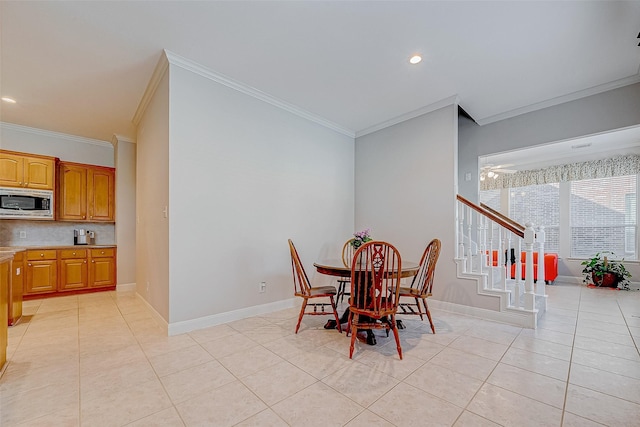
<point x="50" y="233"/>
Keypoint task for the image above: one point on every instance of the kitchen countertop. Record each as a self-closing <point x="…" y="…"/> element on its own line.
<point x="26" y="248"/>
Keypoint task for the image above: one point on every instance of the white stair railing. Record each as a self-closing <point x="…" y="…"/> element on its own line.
<point x="494" y="233"/>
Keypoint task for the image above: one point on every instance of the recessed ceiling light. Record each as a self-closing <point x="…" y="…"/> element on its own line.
<point x="415" y="59"/>
<point x="9" y="100"/>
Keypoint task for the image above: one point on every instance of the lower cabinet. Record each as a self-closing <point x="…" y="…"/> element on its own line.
<point x="5" y="281"/>
<point x="73" y="269"/>
<point x="17" y="288"/>
<point x="62" y="271"/>
<point x="102" y="269"/>
<point x="42" y="271"/>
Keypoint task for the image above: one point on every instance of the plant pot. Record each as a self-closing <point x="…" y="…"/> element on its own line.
<point x="608" y="280"/>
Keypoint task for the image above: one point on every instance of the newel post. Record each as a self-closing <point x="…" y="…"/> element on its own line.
<point x="529" y="239"/>
<point x="540" y="238"/>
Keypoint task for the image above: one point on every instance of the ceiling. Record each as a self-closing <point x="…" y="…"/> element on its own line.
<point x="81" y="68"/>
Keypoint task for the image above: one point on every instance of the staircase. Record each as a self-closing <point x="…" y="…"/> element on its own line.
<point x="480" y="231"/>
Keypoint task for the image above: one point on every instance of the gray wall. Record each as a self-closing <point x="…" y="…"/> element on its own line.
<point x="406" y="193"/>
<point x="607" y="111"/>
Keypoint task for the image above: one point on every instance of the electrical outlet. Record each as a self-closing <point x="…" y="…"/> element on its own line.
<point x="262" y="287"/>
<point x="23" y="234"/>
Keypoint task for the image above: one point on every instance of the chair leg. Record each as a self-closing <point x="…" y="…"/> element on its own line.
<point x="304" y="306"/>
<point x="426" y="307"/>
<point x="396" y="335"/>
<point x="354" y="333"/>
<point x="419" y="310"/>
<point x="340" y="294"/>
<point x="335" y="314"/>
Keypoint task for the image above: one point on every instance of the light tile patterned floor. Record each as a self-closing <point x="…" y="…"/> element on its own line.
<point x="100" y="360"/>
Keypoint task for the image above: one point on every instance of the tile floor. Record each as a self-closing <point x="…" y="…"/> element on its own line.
<point x="100" y="360"/>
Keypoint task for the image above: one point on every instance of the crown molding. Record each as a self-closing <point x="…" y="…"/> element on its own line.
<point x="410" y="115"/>
<point x="561" y="99"/>
<point x="194" y="67"/>
<point x="158" y="73"/>
<point x="115" y="139"/>
<point x="52" y="134"/>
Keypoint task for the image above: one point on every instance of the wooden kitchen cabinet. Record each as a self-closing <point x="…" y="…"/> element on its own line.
<point x="17" y="288"/>
<point x="5" y="282"/>
<point x="26" y="170"/>
<point x="77" y="269"/>
<point x="102" y="267"/>
<point x="73" y="269"/>
<point x="42" y="272"/>
<point x="86" y="193"/>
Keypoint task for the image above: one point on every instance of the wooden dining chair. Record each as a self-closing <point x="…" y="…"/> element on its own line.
<point x="347" y="256"/>
<point x="303" y="289"/>
<point x="376" y="269"/>
<point x="421" y="285"/>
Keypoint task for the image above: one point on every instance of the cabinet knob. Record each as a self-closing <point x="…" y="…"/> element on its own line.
<point x="85" y="261"/>
<point x="41" y="255"/>
<point x="74" y="253"/>
<point x="30" y="264"/>
<point x="93" y="260"/>
<point x="84" y="216"/>
<point x="102" y="252"/>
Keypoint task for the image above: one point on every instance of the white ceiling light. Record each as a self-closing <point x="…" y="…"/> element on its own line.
<point x="415" y="59"/>
<point x="9" y="100"/>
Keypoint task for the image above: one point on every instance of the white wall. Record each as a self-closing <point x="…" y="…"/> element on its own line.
<point x="68" y="148"/>
<point x="125" y="159"/>
<point x="152" y="195"/>
<point x="405" y="192"/>
<point x="244" y="177"/>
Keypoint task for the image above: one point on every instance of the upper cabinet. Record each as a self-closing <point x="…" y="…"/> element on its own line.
<point x="85" y="193"/>
<point x="26" y="171"/>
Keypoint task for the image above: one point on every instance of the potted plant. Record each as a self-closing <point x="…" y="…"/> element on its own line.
<point x="605" y="272"/>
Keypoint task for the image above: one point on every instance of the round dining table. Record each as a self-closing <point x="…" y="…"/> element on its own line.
<point x="335" y="267"/>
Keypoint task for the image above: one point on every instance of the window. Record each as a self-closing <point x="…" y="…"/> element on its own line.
<point x="603" y="216"/>
<point x="491" y="198"/>
<point x="539" y="204"/>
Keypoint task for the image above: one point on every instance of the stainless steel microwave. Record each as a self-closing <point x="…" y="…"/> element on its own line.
<point x="25" y="203"/>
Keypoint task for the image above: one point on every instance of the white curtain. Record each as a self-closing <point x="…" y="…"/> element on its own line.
<point x="603" y="168"/>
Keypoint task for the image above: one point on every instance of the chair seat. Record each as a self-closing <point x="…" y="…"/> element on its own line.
<point x="411" y="292"/>
<point x="323" y="290"/>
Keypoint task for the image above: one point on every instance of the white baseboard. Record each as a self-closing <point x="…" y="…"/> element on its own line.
<point x="156" y="316"/>
<point x="514" y="317"/>
<point x="126" y="287"/>
<point x="229" y="316"/>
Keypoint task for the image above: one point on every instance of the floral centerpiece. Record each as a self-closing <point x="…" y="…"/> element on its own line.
<point x="361" y="237"/>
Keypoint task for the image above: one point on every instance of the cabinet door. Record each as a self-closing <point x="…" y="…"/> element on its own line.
<point x="73" y="274"/>
<point x="101" y="194"/>
<point x="41" y="276"/>
<point x="102" y="272"/>
<point x="72" y="197"/>
<point x="38" y="173"/>
<point x="11" y="170"/>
